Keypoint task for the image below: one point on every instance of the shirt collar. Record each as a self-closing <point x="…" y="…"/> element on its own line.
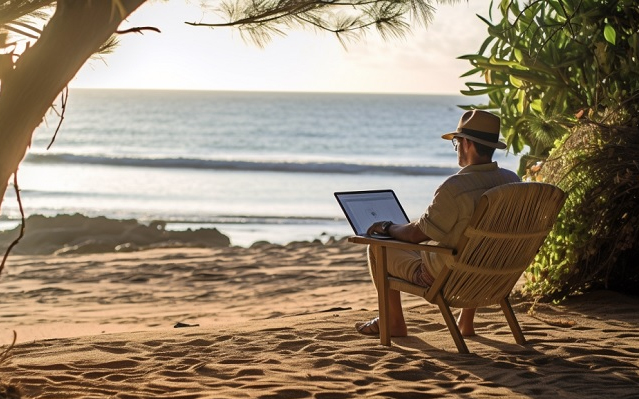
<point x="484" y="167"/>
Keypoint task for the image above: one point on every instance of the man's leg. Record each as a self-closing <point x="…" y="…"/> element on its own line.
<point x="465" y="322"/>
<point x="396" y="315"/>
<point x="401" y="264"/>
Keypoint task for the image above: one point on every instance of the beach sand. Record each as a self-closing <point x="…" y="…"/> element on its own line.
<point x="275" y="321"/>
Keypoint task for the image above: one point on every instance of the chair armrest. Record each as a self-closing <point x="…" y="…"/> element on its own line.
<point x="428" y="246"/>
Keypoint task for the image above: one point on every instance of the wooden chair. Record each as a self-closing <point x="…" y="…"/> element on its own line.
<point x="508" y="226"/>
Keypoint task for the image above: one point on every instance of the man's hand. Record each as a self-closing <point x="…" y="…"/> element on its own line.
<point x="379" y="228"/>
<point x="403" y="232"/>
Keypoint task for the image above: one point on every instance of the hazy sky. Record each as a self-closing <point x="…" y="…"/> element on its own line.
<point x="186" y="57"/>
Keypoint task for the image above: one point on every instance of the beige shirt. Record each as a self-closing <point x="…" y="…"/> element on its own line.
<point x="453" y="205"/>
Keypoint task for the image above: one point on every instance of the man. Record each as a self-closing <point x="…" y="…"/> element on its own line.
<point x="475" y="140"/>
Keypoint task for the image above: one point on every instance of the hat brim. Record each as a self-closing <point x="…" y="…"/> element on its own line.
<point x="499" y="145"/>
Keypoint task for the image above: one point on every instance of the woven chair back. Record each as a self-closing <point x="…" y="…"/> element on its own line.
<point x="508" y="227"/>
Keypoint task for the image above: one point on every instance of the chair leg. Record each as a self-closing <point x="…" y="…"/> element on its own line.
<point x="452" y="324"/>
<point x="512" y="321"/>
<point x="381" y="275"/>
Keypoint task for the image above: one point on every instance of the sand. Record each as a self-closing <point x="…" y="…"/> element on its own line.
<point x="275" y="321"/>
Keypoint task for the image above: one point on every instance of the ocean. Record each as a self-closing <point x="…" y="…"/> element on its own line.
<point x="256" y="166"/>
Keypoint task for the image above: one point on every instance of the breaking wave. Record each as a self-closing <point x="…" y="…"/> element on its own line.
<point x="268" y="166"/>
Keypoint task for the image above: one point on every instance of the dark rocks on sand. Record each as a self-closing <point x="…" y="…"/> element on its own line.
<point x="81" y="234"/>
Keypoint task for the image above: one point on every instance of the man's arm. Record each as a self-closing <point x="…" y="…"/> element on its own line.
<point x="403" y="232"/>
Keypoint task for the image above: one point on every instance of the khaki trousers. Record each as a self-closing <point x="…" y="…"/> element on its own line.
<point x="400" y="263"/>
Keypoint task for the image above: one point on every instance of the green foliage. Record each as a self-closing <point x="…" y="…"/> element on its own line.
<point x="554" y="59"/>
<point x="595" y="240"/>
<point x="564" y="76"/>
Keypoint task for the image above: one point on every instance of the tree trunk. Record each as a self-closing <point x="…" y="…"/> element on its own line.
<point x="76" y="31"/>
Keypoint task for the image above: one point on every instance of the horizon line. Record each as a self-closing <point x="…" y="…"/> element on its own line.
<point x="266" y="91"/>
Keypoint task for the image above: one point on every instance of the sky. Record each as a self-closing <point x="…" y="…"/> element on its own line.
<point x="201" y="58"/>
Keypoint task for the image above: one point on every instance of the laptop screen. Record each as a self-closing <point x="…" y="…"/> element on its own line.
<point x="363" y="208"/>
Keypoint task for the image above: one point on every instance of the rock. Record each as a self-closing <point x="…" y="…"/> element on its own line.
<point x="65" y="234"/>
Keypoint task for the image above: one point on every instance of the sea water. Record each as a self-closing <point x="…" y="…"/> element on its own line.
<point x="257" y="166"/>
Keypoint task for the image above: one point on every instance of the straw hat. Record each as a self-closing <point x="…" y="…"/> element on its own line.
<point x="479" y="126"/>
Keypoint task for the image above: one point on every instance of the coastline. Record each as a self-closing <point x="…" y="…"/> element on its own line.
<point x="78" y="233"/>
<point x="274" y="321"/>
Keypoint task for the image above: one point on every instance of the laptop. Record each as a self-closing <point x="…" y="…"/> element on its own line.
<point x="363" y="208"/>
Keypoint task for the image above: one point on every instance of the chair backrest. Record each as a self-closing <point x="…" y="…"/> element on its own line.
<point x="508" y="226"/>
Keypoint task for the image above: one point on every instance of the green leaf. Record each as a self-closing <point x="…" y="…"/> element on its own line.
<point x="515" y="82"/>
<point x="485" y="44"/>
<point x="478" y="92"/>
<point x="535" y="105"/>
<point x="521" y="101"/>
<point x="517" y="144"/>
<point x="610" y="34"/>
<point x="471" y="57"/>
<point x="479" y="84"/>
<point x="471" y="72"/>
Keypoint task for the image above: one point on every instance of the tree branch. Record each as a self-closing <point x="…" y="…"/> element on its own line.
<point x="74" y="33"/>
<point x="140" y="29"/>
<point x="22" y="222"/>
<point x="260" y="17"/>
<point x="271" y="14"/>
<point x="64" y="98"/>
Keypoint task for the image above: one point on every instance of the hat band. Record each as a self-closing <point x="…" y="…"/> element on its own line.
<point x="492" y="137"/>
